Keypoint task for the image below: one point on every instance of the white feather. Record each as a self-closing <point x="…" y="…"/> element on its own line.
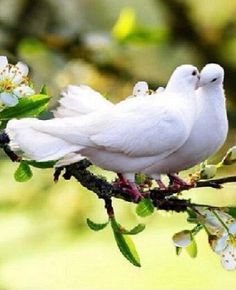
<point x="36" y="145"/>
<point x="80" y="100"/>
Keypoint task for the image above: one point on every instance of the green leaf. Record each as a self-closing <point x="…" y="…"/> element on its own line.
<point x="134" y="231"/>
<point x="125" y="23"/>
<point x="45" y="164"/>
<point x="192" y="249"/>
<point x="27" y="107"/>
<point x="178" y="250"/>
<point x="140" y="178"/>
<point x="23" y="172"/>
<point x="192" y="216"/>
<point x="43" y="90"/>
<point x="125" y="244"/>
<point x="95" y="226"/>
<point x="3" y="124"/>
<point x="232" y="211"/>
<point x="145" y="207"/>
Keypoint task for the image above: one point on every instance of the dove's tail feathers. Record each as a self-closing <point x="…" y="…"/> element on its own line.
<point x="36" y="145"/>
<point x="69" y="159"/>
<point x="80" y="100"/>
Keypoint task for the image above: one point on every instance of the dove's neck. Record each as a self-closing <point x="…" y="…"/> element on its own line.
<point x="214" y="96"/>
<point x="175" y="86"/>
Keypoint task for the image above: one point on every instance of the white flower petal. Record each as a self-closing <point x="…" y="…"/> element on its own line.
<point x="3" y="62"/>
<point x="23" y="91"/>
<point x="228" y="258"/>
<point x="232" y="228"/>
<point x="220" y="244"/>
<point x="182" y="239"/>
<point x="8" y="99"/>
<point x="23" y="68"/>
<point x="140" y="89"/>
<point x="17" y="78"/>
<point x="11" y="73"/>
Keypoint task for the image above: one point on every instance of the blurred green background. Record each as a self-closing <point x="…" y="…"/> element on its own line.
<point x="109" y="45"/>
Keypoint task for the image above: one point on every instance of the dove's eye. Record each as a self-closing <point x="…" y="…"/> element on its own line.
<point x="213" y="80"/>
<point x="194" y="73"/>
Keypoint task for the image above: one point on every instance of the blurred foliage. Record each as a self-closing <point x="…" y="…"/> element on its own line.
<point x="108" y="45"/>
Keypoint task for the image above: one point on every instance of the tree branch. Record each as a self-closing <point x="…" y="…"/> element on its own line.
<point x="162" y="199"/>
<point x="217" y="182"/>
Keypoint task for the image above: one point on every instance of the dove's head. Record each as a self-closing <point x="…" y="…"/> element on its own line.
<point x="185" y="77"/>
<point x="211" y="75"/>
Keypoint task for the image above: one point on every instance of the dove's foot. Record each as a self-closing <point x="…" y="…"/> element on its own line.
<point x="134" y="191"/>
<point x="177" y="183"/>
<point x="121" y="181"/>
<point x="128" y="186"/>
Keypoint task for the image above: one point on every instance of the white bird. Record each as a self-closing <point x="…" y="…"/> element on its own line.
<point x="209" y="130"/>
<point x="126" y="138"/>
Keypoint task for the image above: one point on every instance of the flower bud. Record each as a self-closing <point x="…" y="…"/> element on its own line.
<point x="208" y="171"/>
<point x="182" y="239"/>
<point x="230" y="156"/>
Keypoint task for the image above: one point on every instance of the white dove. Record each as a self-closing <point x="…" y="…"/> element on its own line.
<point x="209" y="130"/>
<point x="126" y="138"/>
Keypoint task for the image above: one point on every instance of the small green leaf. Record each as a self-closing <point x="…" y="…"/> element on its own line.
<point x="192" y="216"/>
<point x="178" y="250"/>
<point x="23" y="172"/>
<point x="145" y="207"/>
<point x="134" y="231"/>
<point x="3" y="124"/>
<point x="43" y="90"/>
<point x="125" y="23"/>
<point x="140" y="178"/>
<point x="232" y="211"/>
<point x="27" y="107"/>
<point x="45" y="164"/>
<point x="192" y="249"/>
<point x="95" y="226"/>
<point x="125" y="244"/>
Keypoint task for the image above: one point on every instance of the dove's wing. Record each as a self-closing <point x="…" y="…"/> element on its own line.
<point x="80" y="100"/>
<point x="142" y="131"/>
<point x="143" y="134"/>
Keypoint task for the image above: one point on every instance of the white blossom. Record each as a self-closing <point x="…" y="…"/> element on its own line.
<point x="14" y="83"/>
<point x="210" y="219"/>
<point x="225" y="246"/>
